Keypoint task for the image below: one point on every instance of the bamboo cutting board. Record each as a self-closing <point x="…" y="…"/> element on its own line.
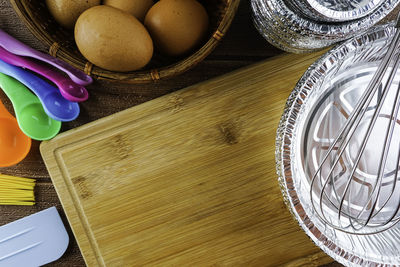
<point x="187" y="179"/>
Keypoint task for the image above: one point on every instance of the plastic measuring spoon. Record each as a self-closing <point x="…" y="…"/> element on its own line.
<point x="16" y="47"/>
<point x="31" y="118"/>
<point x="68" y="89"/>
<point x="14" y="144"/>
<point x="55" y="105"/>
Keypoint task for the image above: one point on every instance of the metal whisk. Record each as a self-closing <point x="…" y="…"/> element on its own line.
<point x="367" y="203"/>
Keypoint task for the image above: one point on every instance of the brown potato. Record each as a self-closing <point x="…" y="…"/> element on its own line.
<point x="113" y="39"/>
<point x="66" y="12"/>
<point x="137" y="8"/>
<point x="177" y="26"/>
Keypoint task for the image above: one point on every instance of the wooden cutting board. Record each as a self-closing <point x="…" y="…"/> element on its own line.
<point x="187" y="179"/>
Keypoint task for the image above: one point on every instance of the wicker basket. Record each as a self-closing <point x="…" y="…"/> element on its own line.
<point x="62" y="45"/>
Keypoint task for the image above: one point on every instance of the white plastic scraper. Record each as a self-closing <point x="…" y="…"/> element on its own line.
<point x="34" y="240"/>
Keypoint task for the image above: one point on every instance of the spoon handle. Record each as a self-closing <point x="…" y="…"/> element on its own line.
<point x="38" y="86"/>
<point x="55" y="105"/>
<point x="23" y="62"/>
<point x="31" y="117"/>
<point x="52" y="75"/>
<point x="18" y="94"/>
<point x="31" y="81"/>
<point x="14" y="46"/>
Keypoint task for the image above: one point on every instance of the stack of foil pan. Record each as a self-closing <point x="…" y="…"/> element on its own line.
<point x="314" y="113"/>
<point x="301" y="26"/>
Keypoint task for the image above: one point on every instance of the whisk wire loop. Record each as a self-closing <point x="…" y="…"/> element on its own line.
<point x="383" y="159"/>
<point x="353" y="215"/>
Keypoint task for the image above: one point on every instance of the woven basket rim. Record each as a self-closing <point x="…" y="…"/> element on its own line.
<point x="140" y="76"/>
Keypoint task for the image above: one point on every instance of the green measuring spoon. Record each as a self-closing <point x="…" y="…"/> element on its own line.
<point x="31" y="118"/>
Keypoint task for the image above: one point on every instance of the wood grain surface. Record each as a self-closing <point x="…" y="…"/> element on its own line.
<point x="241" y="47"/>
<point x="187" y="178"/>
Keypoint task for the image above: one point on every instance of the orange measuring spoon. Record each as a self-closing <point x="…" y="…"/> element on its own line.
<point x="14" y="144"/>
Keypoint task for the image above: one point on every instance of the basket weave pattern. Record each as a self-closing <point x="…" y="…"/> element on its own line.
<point x="62" y="45"/>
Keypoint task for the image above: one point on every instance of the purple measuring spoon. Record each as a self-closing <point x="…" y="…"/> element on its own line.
<point x="68" y="89"/>
<point x="16" y="47"/>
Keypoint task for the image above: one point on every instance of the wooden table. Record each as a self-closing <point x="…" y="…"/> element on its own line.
<point x="242" y="46"/>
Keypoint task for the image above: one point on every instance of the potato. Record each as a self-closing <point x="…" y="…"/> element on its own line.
<point x="113" y="39"/>
<point x="66" y="12"/>
<point x="177" y="26"/>
<point x="137" y="8"/>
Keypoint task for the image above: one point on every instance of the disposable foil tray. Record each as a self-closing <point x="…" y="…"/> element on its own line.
<point x="326" y="94"/>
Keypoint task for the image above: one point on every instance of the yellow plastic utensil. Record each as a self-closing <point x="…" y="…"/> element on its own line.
<point x="14" y="144"/>
<point x="16" y="191"/>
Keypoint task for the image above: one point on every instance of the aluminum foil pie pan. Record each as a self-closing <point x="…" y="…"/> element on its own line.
<point x="334" y="10"/>
<point x="330" y="89"/>
<point x="283" y="40"/>
<point x="292" y="32"/>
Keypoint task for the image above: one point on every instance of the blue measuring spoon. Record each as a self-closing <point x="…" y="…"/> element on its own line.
<point x="54" y="104"/>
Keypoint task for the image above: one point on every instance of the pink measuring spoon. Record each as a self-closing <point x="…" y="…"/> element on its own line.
<point x="68" y="89"/>
<point x="18" y="48"/>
